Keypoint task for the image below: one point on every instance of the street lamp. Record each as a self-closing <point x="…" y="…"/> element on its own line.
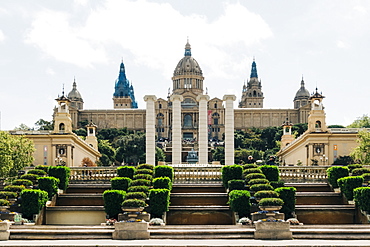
<point x="58" y="160"/>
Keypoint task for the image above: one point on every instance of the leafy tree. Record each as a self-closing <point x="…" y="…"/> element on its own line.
<point x="22" y="126"/>
<point x="131" y="148"/>
<point x="336" y="126"/>
<point x="80" y="132"/>
<point x="159" y="155"/>
<point x="42" y="124"/>
<point x="112" y="134"/>
<point x="107" y="151"/>
<point x="362" y="151"/>
<point x="361" y="122"/>
<point x="87" y="162"/>
<point x="344" y="160"/>
<point x="299" y="129"/>
<point x="218" y="154"/>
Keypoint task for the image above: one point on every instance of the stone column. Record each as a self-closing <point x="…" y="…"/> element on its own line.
<point x="150" y="129"/>
<point x="229" y="128"/>
<point x="176" y="128"/>
<point x="203" y="129"/>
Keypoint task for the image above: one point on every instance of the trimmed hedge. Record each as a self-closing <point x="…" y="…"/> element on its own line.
<point x="37" y="172"/>
<point x="236" y="184"/>
<point x="239" y="201"/>
<point x="136" y="195"/>
<point x="271" y="172"/>
<point x="120" y="183"/>
<point x="366" y="177"/>
<point x="231" y="172"/>
<point x="62" y="173"/>
<point x="353" y="166"/>
<point x="126" y="171"/>
<point x="42" y="167"/>
<point x="49" y="184"/>
<point x="336" y="172"/>
<point x="164" y="171"/>
<point x="144" y="171"/>
<point x="259" y="187"/>
<point x="162" y="183"/>
<point x="258" y="181"/>
<point x="112" y="202"/>
<point x="248" y="166"/>
<point x="32" y="177"/>
<point x="141" y="182"/>
<point x="143" y="176"/>
<point x="251" y="170"/>
<point x="25" y="182"/>
<point x="32" y="202"/>
<point x="277" y="184"/>
<point x="360" y="171"/>
<point x="145" y="166"/>
<point x="348" y="184"/>
<point x="4" y="202"/>
<point x="144" y="189"/>
<point x="159" y="201"/>
<point x="8" y="195"/>
<point x="287" y="194"/>
<point x="362" y="198"/>
<point x="271" y="202"/>
<point x="266" y="194"/>
<point x="14" y="188"/>
<point x="251" y="176"/>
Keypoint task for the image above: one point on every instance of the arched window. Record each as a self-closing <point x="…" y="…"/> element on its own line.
<point x="318" y="125"/>
<point x="61" y="127"/>
<point x="254" y="93"/>
<point x="188" y="121"/>
<point x="215" y="117"/>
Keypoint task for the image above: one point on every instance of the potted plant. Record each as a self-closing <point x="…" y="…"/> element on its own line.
<point x="156" y="222"/>
<point x="270" y="204"/>
<point x="4" y="204"/>
<point x="133" y="205"/>
<point x="245" y="221"/>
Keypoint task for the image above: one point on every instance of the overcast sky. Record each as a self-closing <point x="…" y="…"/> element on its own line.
<point x="47" y="43"/>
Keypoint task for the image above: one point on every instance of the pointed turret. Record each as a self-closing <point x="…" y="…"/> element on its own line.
<point x="187" y="49"/>
<point x="252" y="95"/>
<point x="123" y="96"/>
<point x="301" y="97"/>
<point x="75" y="97"/>
<point x="254" y="70"/>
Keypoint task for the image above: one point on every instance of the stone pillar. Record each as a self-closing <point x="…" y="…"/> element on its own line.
<point x="229" y="128"/>
<point x="203" y="129"/>
<point x="176" y="128"/>
<point x="150" y="129"/>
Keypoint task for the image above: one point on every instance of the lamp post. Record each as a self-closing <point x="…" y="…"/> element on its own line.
<point x="58" y="160"/>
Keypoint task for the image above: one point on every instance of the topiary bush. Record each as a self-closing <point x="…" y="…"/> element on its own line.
<point x="145" y="171"/>
<point x="4" y="202"/>
<point x="271" y="172"/>
<point x="348" y="184"/>
<point x="120" y="183"/>
<point x="248" y="166"/>
<point x="266" y="194"/>
<point x="231" y="172"/>
<point x="239" y="201"/>
<point x="144" y="189"/>
<point x="112" y="202"/>
<point x="126" y="171"/>
<point x="258" y="181"/>
<point x="42" y="167"/>
<point x="32" y="177"/>
<point x="259" y="187"/>
<point x="360" y="171"/>
<point x="251" y="170"/>
<point x="277" y="184"/>
<point x="133" y="203"/>
<point x="37" y="172"/>
<point x="236" y="184"/>
<point x="62" y="173"/>
<point x="366" y="177"/>
<point x="25" y="182"/>
<point x="143" y="176"/>
<point x="162" y="183"/>
<point x="49" y="184"/>
<point x="141" y="182"/>
<point x="251" y="176"/>
<point x="271" y="202"/>
<point x="164" y="171"/>
<point x="32" y="202"/>
<point x="353" y="166"/>
<point x="8" y="195"/>
<point x="145" y="166"/>
<point x="159" y="201"/>
<point x="336" y="172"/>
<point x="287" y="194"/>
<point x="14" y="188"/>
<point x="136" y="195"/>
<point x="361" y="196"/>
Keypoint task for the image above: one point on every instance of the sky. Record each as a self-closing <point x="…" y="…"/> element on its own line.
<point x="47" y="44"/>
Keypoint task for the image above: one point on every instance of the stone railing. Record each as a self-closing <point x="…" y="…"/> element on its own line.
<point x="197" y="173"/>
<point x="79" y="174"/>
<point x="303" y="174"/>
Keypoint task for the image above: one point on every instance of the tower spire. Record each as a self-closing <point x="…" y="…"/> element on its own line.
<point x="254" y="69"/>
<point x="187" y="48"/>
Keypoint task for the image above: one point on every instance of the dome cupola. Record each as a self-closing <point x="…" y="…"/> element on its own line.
<point x="301" y="97"/>
<point x="75" y="97"/>
<point x="187" y="65"/>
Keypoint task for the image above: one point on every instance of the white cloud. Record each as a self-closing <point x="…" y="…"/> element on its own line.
<point x="50" y="71"/>
<point x="342" y="44"/>
<point x="2" y="36"/>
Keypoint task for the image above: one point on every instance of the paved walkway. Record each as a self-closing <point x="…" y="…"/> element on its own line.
<point x="186" y="243"/>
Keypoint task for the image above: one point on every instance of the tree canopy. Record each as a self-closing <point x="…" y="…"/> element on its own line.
<point x="361" y="153"/>
<point x="361" y="122"/>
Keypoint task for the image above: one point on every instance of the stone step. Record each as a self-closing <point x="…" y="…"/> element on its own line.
<point x="198" y="188"/>
<point x="331" y="233"/>
<point x="317" y="198"/>
<point x="87" y="188"/>
<point x="326" y="214"/>
<point x="75" y="215"/>
<point x="80" y="199"/>
<point x="198" y="199"/>
<point x="310" y="187"/>
<point x="200" y="215"/>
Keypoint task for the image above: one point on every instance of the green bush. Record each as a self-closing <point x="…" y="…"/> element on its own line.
<point x="32" y="202"/>
<point x="112" y="202"/>
<point x="248" y="166"/>
<point x="163" y="171"/>
<point x="271" y="202"/>
<point x="14" y="188"/>
<point x="145" y="166"/>
<point x="251" y="170"/>
<point x="251" y="176"/>
<point x="353" y="166"/>
<point x="62" y="173"/>
<point x="141" y="182"/>
<point x="366" y="177"/>
<point x="362" y="198"/>
<point x="37" y="172"/>
<point x="159" y="201"/>
<point x="287" y="194"/>
<point x="239" y="201"/>
<point x="120" y="183"/>
<point x="25" y="182"/>
<point x="271" y="172"/>
<point x="136" y="195"/>
<point x="231" y="172"/>
<point x="259" y="187"/>
<point x="162" y="183"/>
<point x="348" y="184"/>
<point x="49" y="184"/>
<point x="258" y="181"/>
<point x="4" y="202"/>
<point x="266" y="194"/>
<point x="32" y="177"/>
<point x="8" y="195"/>
<point x="126" y="171"/>
<point x="277" y="184"/>
<point x="133" y="203"/>
<point x="144" y="171"/>
<point x="42" y="167"/>
<point x="336" y="172"/>
<point x="360" y="171"/>
<point x="143" y="176"/>
<point x="236" y="184"/>
<point x="144" y="189"/>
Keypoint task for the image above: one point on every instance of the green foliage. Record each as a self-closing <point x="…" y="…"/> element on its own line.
<point x="343" y="160"/>
<point x="120" y="183"/>
<point x="348" y="184"/>
<point x="218" y="154"/>
<point x="8" y="195"/>
<point x="231" y="172"/>
<point x="107" y="151"/>
<point x="145" y="166"/>
<point x="42" y="167"/>
<point x="130" y="148"/>
<point x="4" y="202"/>
<point x="236" y="184"/>
<point x="62" y="173"/>
<point x="366" y="177"/>
<point x="251" y="176"/>
<point x="126" y="171"/>
<point x="164" y="171"/>
<point x="271" y="172"/>
<point x="353" y="166"/>
<point x="112" y="202"/>
<point x="49" y="184"/>
<point x="287" y="194"/>
<point x="271" y="202"/>
<point x="258" y="181"/>
<point x="336" y="126"/>
<point x="242" y="155"/>
<point x="259" y="187"/>
<point x="162" y="183"/>
<point x="361" y="153"/>
<point x="239" y="201"/>
<point x="32" y="177"/>
<point x="362" y="198"/>
<point x="32" y="202"/>
<point x="15" y="153"/>
<point x="159" y="201"/>
<point x="159" y="155"/>
<point x="361" y="122"/>
<point x="37" y="172"/>
<point x="360" y="171"/>
<point x="136" y="195"/>
<point x="336" y="172"/>
<point x="143" y="176"/>
<point x="14" y="188"/>
<point x="251" y="170"/>
<point x="141" y="182"/>
<point x="133" y="203"/>
<point x="81" y="132"/>
<point x="110" y="134"/>
<point x="42" y="124"/>
<point x="144" y="189"/>
<point x="248" y="166"/>
<point x="277" y="184"/>
<point x="24" y="182"/>
<point x="266" y="194"/>
<point x="144" y="171"/>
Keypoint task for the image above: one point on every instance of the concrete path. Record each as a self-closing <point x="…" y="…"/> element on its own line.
<point x="186" y="243"/>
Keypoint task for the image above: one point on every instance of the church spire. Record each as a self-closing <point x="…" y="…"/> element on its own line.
<point x="187" y="49"/>
<point x="254" y="69"/>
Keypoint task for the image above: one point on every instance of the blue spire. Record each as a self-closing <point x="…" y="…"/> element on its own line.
<point x="254" y="70"/>
<point x="123" y="88"/>
<point x="187" y="49"/>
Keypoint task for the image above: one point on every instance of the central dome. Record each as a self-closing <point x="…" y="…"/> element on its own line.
<point x="302" y="93"/>
<point x="187" y="65"/>
<point x="74" y="94"/>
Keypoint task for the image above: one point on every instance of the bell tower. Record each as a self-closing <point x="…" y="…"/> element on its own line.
<point x="287" y="136"/>
<point x="252" y="95"/>
<point x="91" y="135"/>
<point x="62" y="118"/>
<point x="317" y="118"/>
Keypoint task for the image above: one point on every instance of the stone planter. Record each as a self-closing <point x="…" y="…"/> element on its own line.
<point x="273" y="231"/>
<point x="270" y="208"/>
<point x="4" y="230"/>
<point x="131" y="230"/>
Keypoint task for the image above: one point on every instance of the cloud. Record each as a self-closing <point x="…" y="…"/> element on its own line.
<point x="2" y="36"/>
<point x="342" y="44"/>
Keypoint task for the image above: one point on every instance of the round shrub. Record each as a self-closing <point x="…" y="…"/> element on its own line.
<point x="231" y="172"/>
<point x="126" y="171"/>
<point x="353" y="166"/>
<point x="143" y="176"/>
<point x="42" y="167"/>
<point x="239" y="201"/>
<point x="62" y="173"/>
<point x="362" y="198"/>
<point x="8" y="195"/>
<point x="120" y="183"/>
<point x="360" y="171"/>
<point x="366" y="177"/>
<point x="251" y="170"/>
<point x="32" y="177"/>
<point x="336" y="172"/>
<point x="49" y="184"/>
<point x="112" y="202"/>
<point x="287" y="194"/>
<point x="164" y="171"/>
<point x="25" y="182"/>
<point x="348" y="184"/>
<point x="32" y="202"/>
<point x="133" y="203"/>
<point x="266" y="194"/>
<point x="4" y="202"/>
<point x="248" y="166"/>
<point x="251" y="176"/>
<point x="271" y="172"/>
<point x="145" y="166"/>
<point x="159" y="201"/>
<point x="258" y="181"/>
<point x="14" y="188"/>
<point x="271" y="202"/>
<point x="136" y="195"/>
<point x="236" y="184"/>
<point x="277" y="184"/>
<point x="259" y="187"/>
<point x="141" y="182"/>
<point x="37" y="172"/>
<point x="144" y="171"/>
<point x="144" y="189"/>
<point x="162" y="183"/>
